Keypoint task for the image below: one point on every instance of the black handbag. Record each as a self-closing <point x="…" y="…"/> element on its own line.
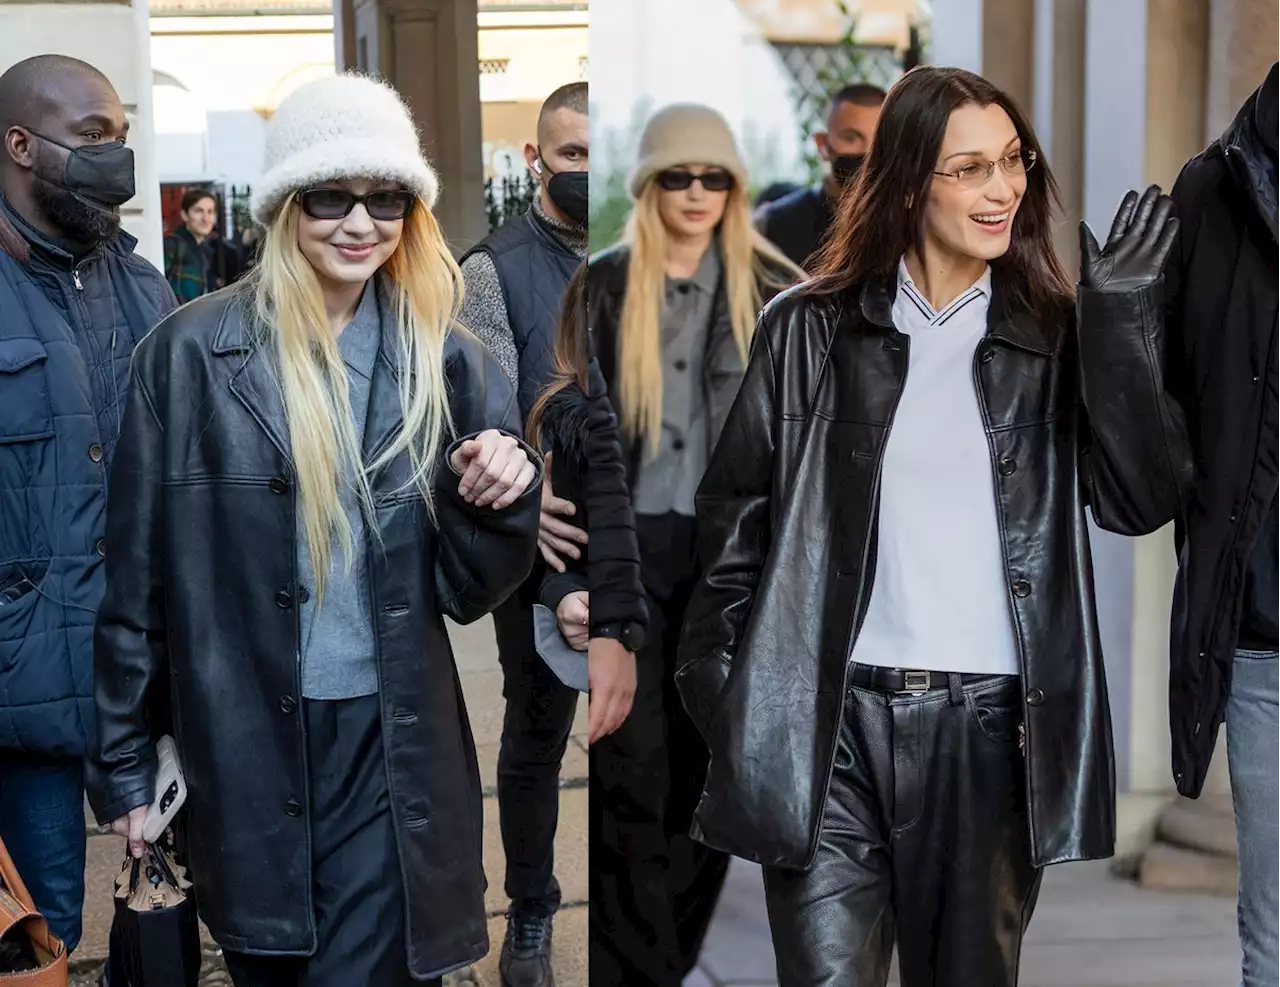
<point x="156" y="929"/>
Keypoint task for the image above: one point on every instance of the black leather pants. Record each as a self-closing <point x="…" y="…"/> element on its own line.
<point x="925" y="842"/>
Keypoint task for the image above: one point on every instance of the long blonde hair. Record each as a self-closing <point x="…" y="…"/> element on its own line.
<point x="423" y="288"/>
<point x="748" y="260"/>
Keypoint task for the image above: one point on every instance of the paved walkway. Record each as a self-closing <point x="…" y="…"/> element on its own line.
<point x="477" y="659"/>
<point x="1089" y="930"/>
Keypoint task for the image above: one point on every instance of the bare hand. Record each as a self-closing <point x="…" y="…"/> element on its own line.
<point x="611" y="677"/>
<point x="495" y="470"/>
<point x="573" y="615"/>
<point x="130" y="827"/>
<point x="556" y="537"/>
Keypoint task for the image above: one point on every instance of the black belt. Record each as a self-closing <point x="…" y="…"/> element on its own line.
<point x="906" y="681"/>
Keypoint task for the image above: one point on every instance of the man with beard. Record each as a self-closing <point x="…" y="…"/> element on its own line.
<point x="797" y="223"/>
<point x="74" y="300"/>
<point x="515" y="279"/>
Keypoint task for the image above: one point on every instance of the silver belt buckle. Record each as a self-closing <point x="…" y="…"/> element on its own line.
<point x="916" y="683"/>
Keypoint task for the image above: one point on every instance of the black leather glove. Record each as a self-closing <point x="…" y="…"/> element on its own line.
<point x="1141" y="238"/>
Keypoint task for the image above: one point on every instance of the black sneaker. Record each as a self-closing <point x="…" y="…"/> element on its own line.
<point x="526" y="951"/>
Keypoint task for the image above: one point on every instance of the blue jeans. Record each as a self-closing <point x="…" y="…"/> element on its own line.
<point x="1252" y="725"/>
<point x="42" y="824"/>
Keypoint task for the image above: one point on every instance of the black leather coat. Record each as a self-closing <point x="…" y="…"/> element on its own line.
<point x="786" y="519"/>
<point x="200" y="604"/>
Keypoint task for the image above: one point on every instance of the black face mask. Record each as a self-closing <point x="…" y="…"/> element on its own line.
<point x="99" y="175"/>
<point x="845" y="168"/>
<point x="568" y="190"/>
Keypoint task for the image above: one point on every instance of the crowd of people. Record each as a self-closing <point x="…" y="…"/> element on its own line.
<point x="805" y="490"/>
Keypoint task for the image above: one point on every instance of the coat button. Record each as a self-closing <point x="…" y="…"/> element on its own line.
<point x="1035" y="698"/>
<point x="95" y="452"/>
<point x="288" y="704"/>
<point x="292" y="808"/>
<point x="283" y="600"/>
<point x="277" y="485"/>
<point x="1021" y="589"/>
<point x="101" y="547"/>
<point x="681" y="364"/>
<point x="1008" y="466"/>
<point x="677" y="444"/>
<point x="304" y="594"/>
<point x="987" y="354"/>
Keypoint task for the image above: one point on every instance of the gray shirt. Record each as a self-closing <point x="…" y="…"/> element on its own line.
<point x="338" y="660"/>
<point x="668" y="481"/>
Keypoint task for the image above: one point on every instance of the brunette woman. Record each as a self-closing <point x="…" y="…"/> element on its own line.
<point x="673" y="311"/>
<point x="560" y="425"/>
<point x="894" y="652"/>
<point x="316" y="467"/>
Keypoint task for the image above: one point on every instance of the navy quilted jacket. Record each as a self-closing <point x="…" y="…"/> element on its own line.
<point x="67" y="330"/>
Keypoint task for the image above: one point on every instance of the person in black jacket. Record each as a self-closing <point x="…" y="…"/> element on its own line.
<point x="893" y="654"/>
<point x="797" y="223"/>
<point x="673" y="309"/>
<point x="74" y="301"/>
<point x="316" y="467"/>
<point x="560" y="424"/>
<point x="515" y="279"/>
<point x="1220" y="352"/>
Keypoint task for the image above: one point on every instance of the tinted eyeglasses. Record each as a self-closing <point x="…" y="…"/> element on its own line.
<point x="677" y="180"/>
<point x="385" y="205"/>
<point x="978" y="173"/>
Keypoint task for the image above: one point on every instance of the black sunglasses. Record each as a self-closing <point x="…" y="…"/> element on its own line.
<point x="677" y="180"/>
<point x="385" y="205"/>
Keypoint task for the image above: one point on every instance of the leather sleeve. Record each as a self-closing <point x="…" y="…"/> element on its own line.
<point x="1135" y="455"/>
<point x="129" y="637"/>
<point x="613" y="557"/>
<point x="482" y="555"/>
<point x="733" y="523"/>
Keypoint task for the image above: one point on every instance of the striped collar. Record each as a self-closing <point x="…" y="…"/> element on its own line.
<point x="980" y="289"/>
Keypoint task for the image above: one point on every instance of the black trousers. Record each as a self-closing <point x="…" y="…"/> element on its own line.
<point x="357" y="885"/>
<point x="925" y="841"/>
<point x="653" y="889"/>
<point x="535" y="731"/>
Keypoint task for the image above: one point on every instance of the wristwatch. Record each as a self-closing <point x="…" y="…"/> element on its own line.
<point x="629" y="633"/>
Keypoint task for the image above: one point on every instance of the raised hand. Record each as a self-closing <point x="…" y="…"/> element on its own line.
<point x="1141" y="237"/>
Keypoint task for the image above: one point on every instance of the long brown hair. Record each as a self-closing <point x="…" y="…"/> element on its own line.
<point x="570" y="353"/>
<point x="882" y="217"/>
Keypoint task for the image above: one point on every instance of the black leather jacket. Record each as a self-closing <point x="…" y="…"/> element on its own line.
<point x="200" y="609"/>
<point x="786" y="517"/>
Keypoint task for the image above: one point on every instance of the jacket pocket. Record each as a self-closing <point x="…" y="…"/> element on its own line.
<point x="701" y="684"/>
<point x="25" y="412"/>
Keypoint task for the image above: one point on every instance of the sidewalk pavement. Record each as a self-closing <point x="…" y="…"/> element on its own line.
<point x="1090" y="930"/>
<point x="477" y="659"/>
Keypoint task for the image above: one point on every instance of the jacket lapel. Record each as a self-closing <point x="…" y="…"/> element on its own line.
<point x="254" y="383"/>
<point x="385" y="416"/>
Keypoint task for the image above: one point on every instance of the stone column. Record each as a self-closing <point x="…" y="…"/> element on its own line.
<point x="116" y="39"/>
<point x="1059" y="75"/>
<point x="1242" y="47"/>
<point x="428" y="50"/>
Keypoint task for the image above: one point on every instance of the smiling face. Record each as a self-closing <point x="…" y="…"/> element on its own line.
<point x="349" y="250"/>
<point x="691" y="212"/>
<point x="200" y="218"/>
<point x="964" y="219"/>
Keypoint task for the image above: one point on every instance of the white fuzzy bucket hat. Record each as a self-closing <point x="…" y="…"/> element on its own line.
<point x="346" y="126"/>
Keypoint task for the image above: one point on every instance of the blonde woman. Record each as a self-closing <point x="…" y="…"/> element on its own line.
<point x="673" y="309"/>
<point x="316" y="467"/>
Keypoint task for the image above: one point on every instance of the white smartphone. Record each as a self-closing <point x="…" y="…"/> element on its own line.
<point x="171" y="791"/>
